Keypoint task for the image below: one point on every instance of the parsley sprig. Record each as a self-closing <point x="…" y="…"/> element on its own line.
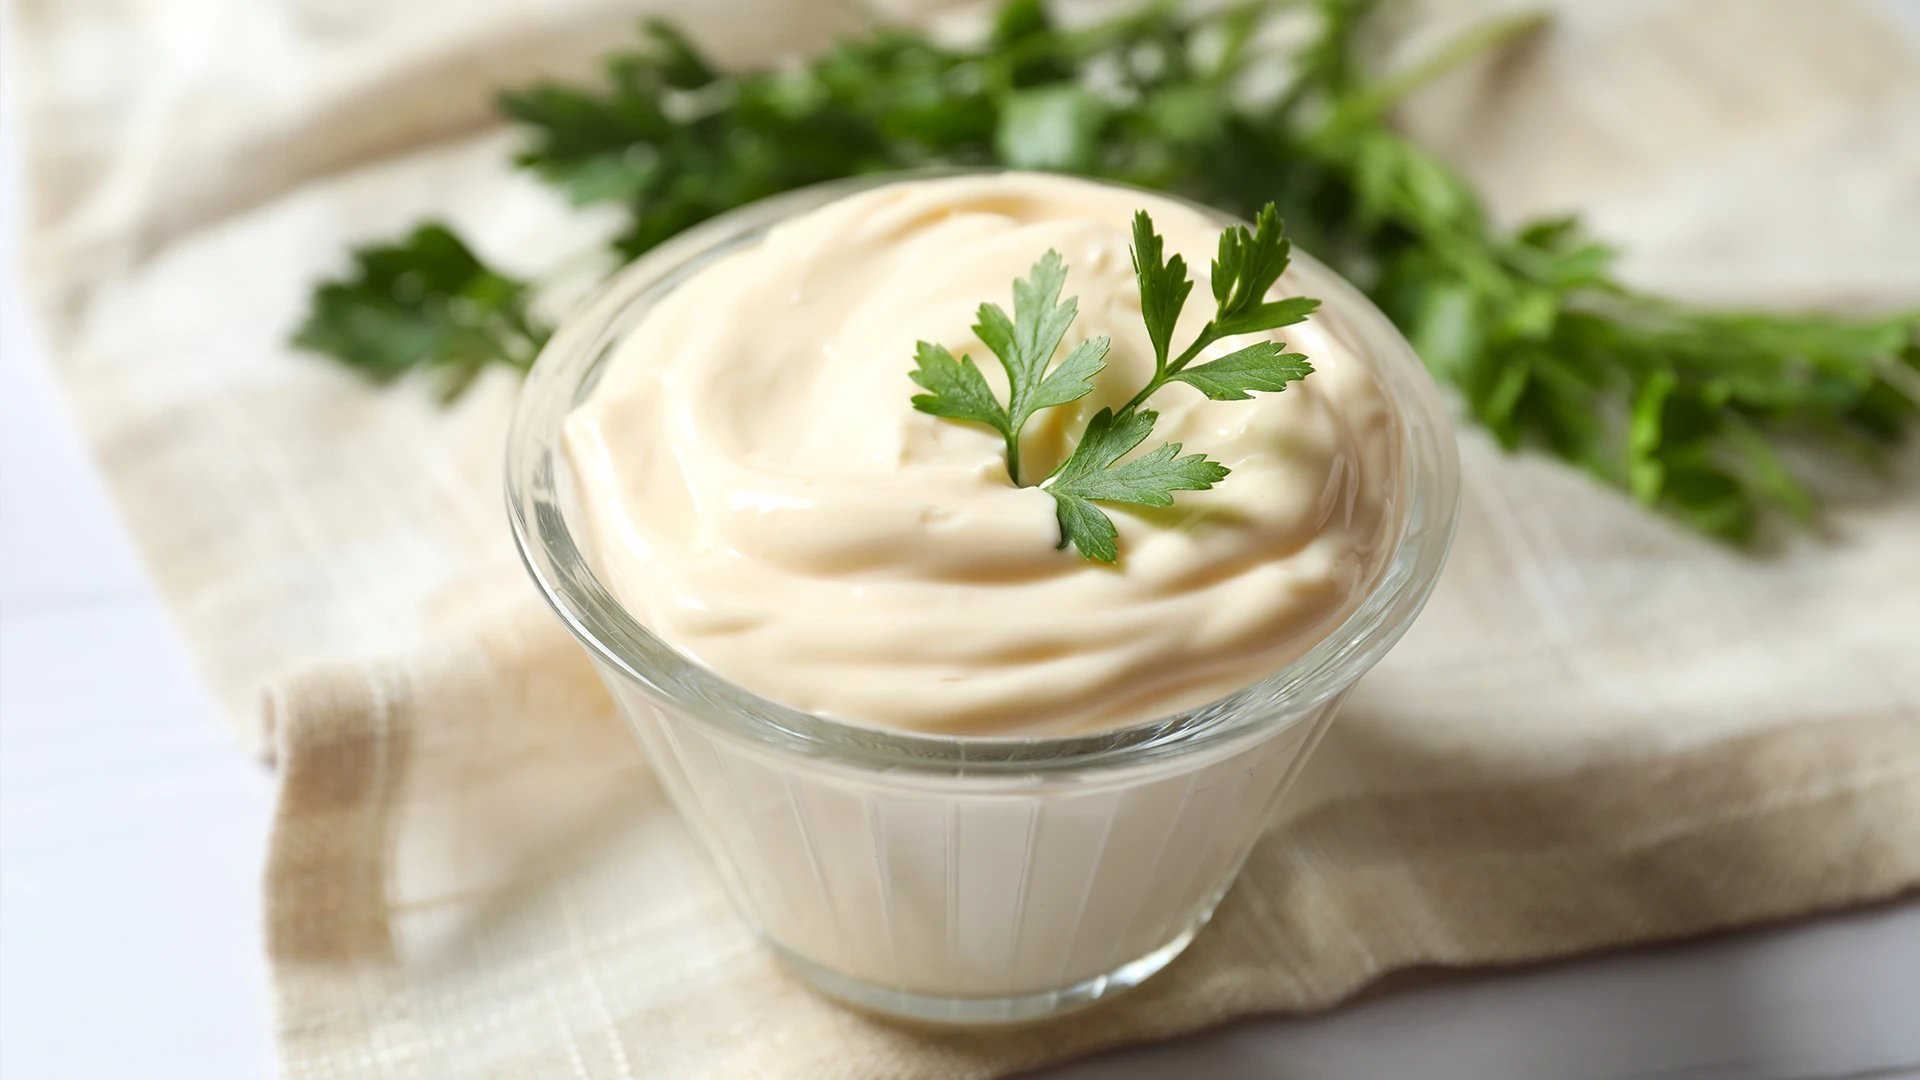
<point x="1098" y="469"/>
<point x="1025" y="345"/>
<point x="1248" y="266"/>
<point x="1683" y="409"/>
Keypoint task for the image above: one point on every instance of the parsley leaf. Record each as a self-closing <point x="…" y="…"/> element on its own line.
<point x="1260" y="366"/>
<point x="1163" y="286"/>
<point x="1249" y="265"/>
<point x="424" y="303"/>
<point x="956" y="389"/>
<point x="1094" y="472"/>
<point x="1025" y="345"/>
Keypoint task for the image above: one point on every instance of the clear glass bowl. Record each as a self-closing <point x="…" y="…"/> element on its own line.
<point x="963" y="880"/>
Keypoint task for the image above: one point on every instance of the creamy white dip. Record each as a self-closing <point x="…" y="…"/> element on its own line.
<point x="761" y="493"/>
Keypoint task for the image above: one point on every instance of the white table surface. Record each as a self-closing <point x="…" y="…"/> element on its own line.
<point x="132" y="837"/>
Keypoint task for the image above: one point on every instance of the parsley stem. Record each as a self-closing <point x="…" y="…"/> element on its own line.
<point x="1146" y="392"/>
<point x="1208" y="335"/>
<point x="1013" y="459"/>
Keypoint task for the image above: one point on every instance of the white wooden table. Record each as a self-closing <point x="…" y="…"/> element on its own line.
<point x="132" y="836"/>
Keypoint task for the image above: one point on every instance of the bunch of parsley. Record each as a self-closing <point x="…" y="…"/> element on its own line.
<point x="1682" y="408"/>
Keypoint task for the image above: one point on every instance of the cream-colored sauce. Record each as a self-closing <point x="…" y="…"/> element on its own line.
<point x="761" y="493"/>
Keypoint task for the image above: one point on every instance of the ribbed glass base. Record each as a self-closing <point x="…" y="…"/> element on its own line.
<point x="984" y="1012"/>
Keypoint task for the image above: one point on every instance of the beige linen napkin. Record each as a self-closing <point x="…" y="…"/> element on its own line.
<point x="1603" y="730"/>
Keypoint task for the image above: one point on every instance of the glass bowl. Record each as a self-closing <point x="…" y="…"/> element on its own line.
<point x="963" y="880"/>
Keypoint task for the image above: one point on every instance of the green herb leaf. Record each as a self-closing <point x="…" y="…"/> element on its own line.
<point x="426" y="303"/>
<point x="1646" y="473"/>
<point x="1272" y="316"/>
<point x="1025" y="345"/>
<point x="956" y="389"/>
<point x="1163" y="286"/>
<point x="1087" y="528"/>
<point x="1071" y="379"/>
<point x="1264" y="365"/>
<point x="1094" y="471"/>
<point x="1248" y="265"/>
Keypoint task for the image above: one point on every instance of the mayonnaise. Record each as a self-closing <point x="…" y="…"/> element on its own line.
<point x="760" y="492"/>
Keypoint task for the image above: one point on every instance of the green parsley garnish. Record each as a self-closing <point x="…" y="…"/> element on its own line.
<point x="1025" y="345"/>
<point x="1091" y="474"/>
<point x="1247" y="267"/>
<point x="425" y="302"/>
<point x="1681" y="408"/>
<point x="1249" y="264"/>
